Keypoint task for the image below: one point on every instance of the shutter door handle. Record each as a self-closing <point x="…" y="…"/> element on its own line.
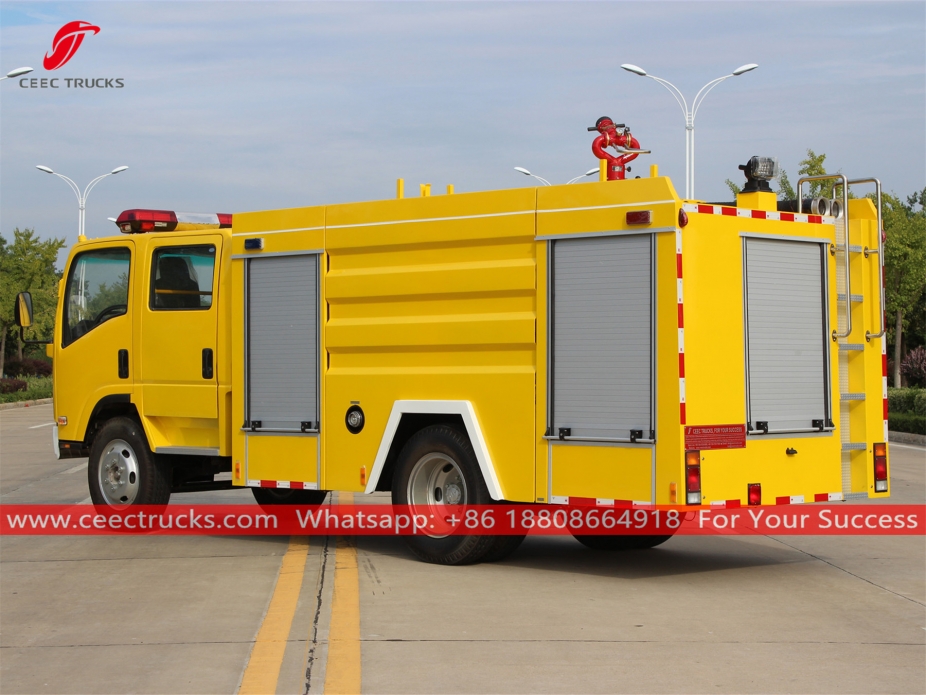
<point x="207" y="363"/>
<point x="123" y="364"/>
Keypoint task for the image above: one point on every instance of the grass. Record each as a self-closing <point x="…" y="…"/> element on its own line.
<point x="37" y="387"/>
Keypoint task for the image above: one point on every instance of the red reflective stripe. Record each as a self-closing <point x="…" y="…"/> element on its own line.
<point x="681" y="365"/>
<point x="681" y="316"/>
<point x="732" y="504"/>
<point x="623" y="503"/>
<point x="678" y="263"/>
<point x="782" y="500"/>
<point x="821" y="497"/>
<point x="728" y="211"/>
<point x="787" y="217"/>
<point x="681" y="411"/>
<point x="885" y="409"/>
<point x="583" y="501"/>
<point x="709" y="209"/>
<point x="268" y="483"/>
<point x="883" y="364"/>
<point x="759" y="214"/>
<point x="815" y="219"/>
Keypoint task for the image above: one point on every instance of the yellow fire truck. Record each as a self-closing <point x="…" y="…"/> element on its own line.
<point x="604" y="343"/>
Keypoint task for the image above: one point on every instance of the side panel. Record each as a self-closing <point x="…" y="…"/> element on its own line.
<point x="606" y="471"/>
<point x="280" y="458"/>
<point x="431" y="299"/>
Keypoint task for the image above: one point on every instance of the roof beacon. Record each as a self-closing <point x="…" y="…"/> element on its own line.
<point x="759" y="171"/>
<point x="141" y="221"/>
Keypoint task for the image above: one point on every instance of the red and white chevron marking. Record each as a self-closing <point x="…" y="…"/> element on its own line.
<point x="756" y="214"/>
<point x="283" y="484"/>
<point x="681" y="327"/>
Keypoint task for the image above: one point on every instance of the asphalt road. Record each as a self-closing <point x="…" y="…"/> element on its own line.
<point x="219" y="614"/>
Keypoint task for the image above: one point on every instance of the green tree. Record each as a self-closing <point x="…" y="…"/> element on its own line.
<point x="28" y="265"/>
<point x="904" y="267"/>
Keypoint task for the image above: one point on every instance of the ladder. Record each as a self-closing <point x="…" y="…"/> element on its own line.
<point x="859" y="281"/>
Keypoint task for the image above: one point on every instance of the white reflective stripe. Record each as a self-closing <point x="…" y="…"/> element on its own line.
<point x="601" y="502"/>
<point x="797" y="499"/>
<point x="253" y="483"/>
<point x="643" y="504"/>
<point x="722" y="503"/>
<point x="462" y="408"/>
<point x="283" y="484"/>
<point x="835" y="497"/>
<point x="54" y="441"/>
<point x="556" y="499"/>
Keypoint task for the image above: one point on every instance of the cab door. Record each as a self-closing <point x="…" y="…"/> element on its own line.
<point x="93" y="356"/>
<point x="178" y="328"/>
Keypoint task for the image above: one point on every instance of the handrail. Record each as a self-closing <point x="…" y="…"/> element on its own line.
<point x="877" y="183"/>
<point x="845" y="217"/>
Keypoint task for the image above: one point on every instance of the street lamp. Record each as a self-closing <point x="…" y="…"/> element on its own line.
<point x="527" y="173"/>
<point x="587" y="173"/>
<point x="689" y="114"/>
<point x="81" y="199"/>
<point x="16" y="73"/>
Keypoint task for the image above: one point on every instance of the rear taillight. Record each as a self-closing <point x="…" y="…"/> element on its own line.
<point x="693" y="477"/>
<point x="880" y="452"/>
<point x="754" y="494"/>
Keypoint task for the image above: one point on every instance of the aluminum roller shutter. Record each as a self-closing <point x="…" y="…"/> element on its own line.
<point x="786" y="334"/>
<point x="602" y="336"/>
<point x="283" y="341"/>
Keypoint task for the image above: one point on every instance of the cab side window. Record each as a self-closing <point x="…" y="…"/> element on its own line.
<point x="181" y="277"/>
<point x="97" y="290"/>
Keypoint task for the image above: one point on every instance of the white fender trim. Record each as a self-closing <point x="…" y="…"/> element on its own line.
<point x="461" y="408"/>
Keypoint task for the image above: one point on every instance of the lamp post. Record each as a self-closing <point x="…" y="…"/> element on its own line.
<point x="689" y="113"/>
<point x="16" y="73"/>
<point x="587" y="173"/>
<point x="81" y="199"/>
<point x="527" y="173"/>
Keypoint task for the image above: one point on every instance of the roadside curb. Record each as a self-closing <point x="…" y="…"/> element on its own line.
<point x="907" y="438"/>
<point x="25" y="404"/>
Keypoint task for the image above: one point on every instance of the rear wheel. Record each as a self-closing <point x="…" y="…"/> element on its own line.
<point x="621" y="542"/>
<point x="437" y="468"/>
<point x="270" y="496"/>
<point x="123" y="470"/>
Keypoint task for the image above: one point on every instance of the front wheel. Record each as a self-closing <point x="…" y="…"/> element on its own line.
<point x="123" y="470"/>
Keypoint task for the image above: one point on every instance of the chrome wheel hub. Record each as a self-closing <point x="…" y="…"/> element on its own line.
<point x="118" y="477"/>
<point x="436" y="481"/>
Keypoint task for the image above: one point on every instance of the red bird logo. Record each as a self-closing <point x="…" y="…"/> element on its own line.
<point x="66" y="43"/>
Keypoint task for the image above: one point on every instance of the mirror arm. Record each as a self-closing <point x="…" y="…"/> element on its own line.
<point x="22" y="337"/>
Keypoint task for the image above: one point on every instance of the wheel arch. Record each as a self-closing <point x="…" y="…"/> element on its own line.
<point x="408" y="417"/>
<point x="108" y="407"/>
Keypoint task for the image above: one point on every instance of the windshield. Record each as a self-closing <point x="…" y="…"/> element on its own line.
<point x="97" y="290"/>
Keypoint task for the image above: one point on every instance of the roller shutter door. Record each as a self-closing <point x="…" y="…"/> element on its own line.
<point x="786" y="334"/>
<point x="602" y="336"/>
<point x="282" y="327"/>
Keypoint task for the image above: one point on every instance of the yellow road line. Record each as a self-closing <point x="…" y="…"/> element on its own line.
<point x="342" y="672"/>
<point x="263" y="667"/>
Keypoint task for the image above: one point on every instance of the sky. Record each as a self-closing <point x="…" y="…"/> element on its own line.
<point x="237" y="106"/>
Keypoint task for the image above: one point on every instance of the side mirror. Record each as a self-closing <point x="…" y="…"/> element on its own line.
<point x="23" y="310"/>
<point x="25" y="319"/>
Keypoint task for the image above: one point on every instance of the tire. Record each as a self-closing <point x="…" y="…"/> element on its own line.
<point x="122" y="470"/>
<point x="437" y="467"/>
<point x="503" y="547"/>
<point x="621" y="542"/>
<point x="267" y="496"/>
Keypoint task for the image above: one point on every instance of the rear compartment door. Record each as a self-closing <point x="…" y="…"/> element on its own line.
<point x="787" y="345"/>
<point x="602" y="385"/>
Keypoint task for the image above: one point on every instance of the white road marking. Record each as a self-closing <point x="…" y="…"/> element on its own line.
<point x="44" y="424"/>
<point x="76" y="468"/>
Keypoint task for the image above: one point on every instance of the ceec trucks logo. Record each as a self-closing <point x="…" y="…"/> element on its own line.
<point x="66" y="43"/>
<point x="63" y="47"/>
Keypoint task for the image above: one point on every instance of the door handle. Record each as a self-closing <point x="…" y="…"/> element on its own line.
<point x="123" y="364"/>
<point x="207" y="363"/>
